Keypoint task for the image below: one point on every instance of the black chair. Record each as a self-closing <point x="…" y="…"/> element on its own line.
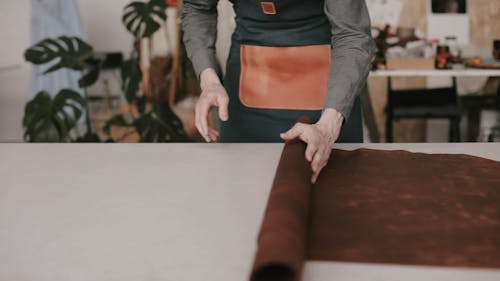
<point x="437" y="103"/>
<point x="473" y="104"/>
<point x="111" y="61"/>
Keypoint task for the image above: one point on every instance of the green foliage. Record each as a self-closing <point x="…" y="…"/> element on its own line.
<point x="91" y="74"/>
<point x="89" y="137"/>
<point x="51" y="120"/>
<point x="66" y="52"/>
<point x="72" y="53"/>
<point x="131" y="78"/>
<point x="160" y="125"/>
<point x="143" y="19"/>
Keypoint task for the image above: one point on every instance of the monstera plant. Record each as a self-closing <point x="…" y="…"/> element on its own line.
<point x="159" y="123"/>
<point x="66" y="52"/>
<point x="143" y="19"/>
<point x="51" y="120"/>
<point x="131" y="78"/>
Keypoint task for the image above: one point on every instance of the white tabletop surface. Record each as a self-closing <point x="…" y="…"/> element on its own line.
<point x="172" y="212"/>
<point x="437" y="73"/>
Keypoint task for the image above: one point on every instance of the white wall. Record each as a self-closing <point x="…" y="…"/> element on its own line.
<point x="14" y="30"/>
<point x="102" y="19"/>
<point x="14" y="72"/>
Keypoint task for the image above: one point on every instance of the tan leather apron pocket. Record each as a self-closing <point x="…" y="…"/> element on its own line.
<point x="285" y="77"/>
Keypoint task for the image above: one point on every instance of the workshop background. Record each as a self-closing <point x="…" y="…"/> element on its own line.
<point x="120" y="79"/>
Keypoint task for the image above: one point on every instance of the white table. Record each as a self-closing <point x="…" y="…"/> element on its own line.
<point x="174" y="212"/>
<point x="368" y="111"/>
<point x="468" y="72"/>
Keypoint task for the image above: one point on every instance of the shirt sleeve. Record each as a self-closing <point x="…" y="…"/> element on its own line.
<point x="199" y="24"/>
<point x="352" y="52"/>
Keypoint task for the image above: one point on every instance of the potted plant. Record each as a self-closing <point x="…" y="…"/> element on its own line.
<point x="52" y="120"/>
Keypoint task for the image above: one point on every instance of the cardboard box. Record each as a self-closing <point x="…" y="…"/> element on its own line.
<point x="397" y="63"/>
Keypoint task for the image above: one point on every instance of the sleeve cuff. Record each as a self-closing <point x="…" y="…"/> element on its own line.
<point x="343" y="107"/>
<point x="344" y="104"/>
<point x="202" y="61"/>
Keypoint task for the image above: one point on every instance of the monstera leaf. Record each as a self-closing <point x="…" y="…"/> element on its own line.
<point x="70" y="52"/>
<point x="160" y="125"/>
<point x="143" y="19"/>
<point x="66" y="52"/>
<point x="131" y="78"/>
<point x="91" y="73"/>
<point x="51" y="120"/>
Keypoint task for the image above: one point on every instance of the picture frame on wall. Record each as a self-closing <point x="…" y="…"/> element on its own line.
<point x="449" y="6"/>
<point x="448" y="18"/>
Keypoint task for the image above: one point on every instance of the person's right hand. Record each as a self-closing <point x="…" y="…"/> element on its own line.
<point x="213" y="94"/>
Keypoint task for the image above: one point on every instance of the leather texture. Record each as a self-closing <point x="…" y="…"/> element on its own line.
<point x="268" y="8"/>
<point x="294" y="78"/>
<point x="376" y="206"/>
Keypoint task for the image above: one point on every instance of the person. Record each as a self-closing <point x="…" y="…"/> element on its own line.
<point x="288" y="59"/>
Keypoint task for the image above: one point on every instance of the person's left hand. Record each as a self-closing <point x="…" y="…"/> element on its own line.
<point x="319" y="137"/>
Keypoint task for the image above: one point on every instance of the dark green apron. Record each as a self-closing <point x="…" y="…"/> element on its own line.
<point x="296" y="23"/>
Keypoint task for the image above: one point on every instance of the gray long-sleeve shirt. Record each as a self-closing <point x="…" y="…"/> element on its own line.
<point x="352" y="45"/>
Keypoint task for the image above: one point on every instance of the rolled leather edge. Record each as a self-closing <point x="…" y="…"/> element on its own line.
<point x="281" y="245"/>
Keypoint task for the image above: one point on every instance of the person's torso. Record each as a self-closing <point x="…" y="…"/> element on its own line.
<point x="281" y="22"/>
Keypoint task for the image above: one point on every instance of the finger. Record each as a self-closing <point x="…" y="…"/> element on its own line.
<point x="316" y="162"/>
<point x="316" y="168"/>
<point x="204" y="108"/>
<point x="197" y="118"/>
<point x="294" y="132"/>
<point x="212" y="137"/>
<point x="223" y="102"/>
<point x="314" y="178"/>
<point x="320" y="161"/>
<point x="311" y="149"/>
<point x="198" y="126"/>
<point x="213" y="134"/>
<point x="206" y="138"/>
<point x="213" y="131"/>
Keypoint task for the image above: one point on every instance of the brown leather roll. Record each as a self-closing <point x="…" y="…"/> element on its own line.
<point x="282" y="239"/>
<point x="374" y="206"/>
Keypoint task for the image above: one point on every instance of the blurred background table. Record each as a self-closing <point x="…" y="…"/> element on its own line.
<point x="469" y="72"/>
<point x="367" y="103"/>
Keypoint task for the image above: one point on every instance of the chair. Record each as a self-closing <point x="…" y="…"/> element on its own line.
<point x="437" y="103"/>
<point x="473" y="104"/>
